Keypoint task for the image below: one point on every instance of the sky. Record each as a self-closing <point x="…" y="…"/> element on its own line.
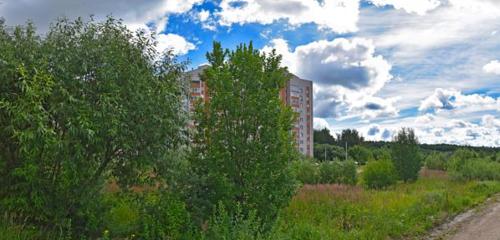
<point x="376" y="65"/>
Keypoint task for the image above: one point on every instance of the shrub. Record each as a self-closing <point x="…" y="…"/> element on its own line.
<point x="360" y="154"/>
<point x="122" y="219"/>
<point x="379" y="174"/>
<point x="311" y="172"/>
<point x="459" y="158"/>
<point x="338" y="172"/>
<point x="237" y="226"/>
<point x="381" y="153"/>
<point x="436" y="161"/>
<point x="406" y="155"/>
<point x="306" y="171"/>
<point x="148" y="215"/>
<point x="476" y="169"/>
<point x="164" y="216"/>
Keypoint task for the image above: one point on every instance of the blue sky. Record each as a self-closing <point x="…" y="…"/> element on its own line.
<point x="377" y="65"/>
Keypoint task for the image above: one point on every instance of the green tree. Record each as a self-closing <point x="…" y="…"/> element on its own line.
<point x="327" y="152"/>
<point x="86" y="103"/>
<point x="459" y="158"/>
<point x="323" y="136"/>
<point x="360" y="154"/>
<point x="380" y="153"/>
<point x="243" y="141"/>
<point x="349" y="136"/>
<point x="406" y="155"/>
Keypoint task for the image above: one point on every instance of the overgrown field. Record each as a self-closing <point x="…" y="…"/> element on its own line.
<point x="403" y="211"/>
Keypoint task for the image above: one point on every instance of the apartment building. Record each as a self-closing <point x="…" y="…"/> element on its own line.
<point x="298" y="94"/>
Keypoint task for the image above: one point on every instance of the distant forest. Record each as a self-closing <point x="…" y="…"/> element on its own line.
<point x="353" y="137"/>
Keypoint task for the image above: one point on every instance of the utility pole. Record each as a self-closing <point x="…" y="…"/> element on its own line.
<point x="346" y="150"/>
<point x="325" y="153"/>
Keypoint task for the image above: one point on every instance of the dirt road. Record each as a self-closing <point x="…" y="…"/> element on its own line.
<point x="482" y="223"/>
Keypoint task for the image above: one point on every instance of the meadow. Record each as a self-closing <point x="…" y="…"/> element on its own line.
<point x="403" y="211"/>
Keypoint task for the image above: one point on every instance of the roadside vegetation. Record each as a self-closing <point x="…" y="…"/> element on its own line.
<point x="403" y="211"/>
<point x="95" y="144"/>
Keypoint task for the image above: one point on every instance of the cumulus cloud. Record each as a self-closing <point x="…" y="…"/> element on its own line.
<point x="131" y="11"/>
<point x="425" y="119"/>
<point x="206" y="19"/>
<point x="440" y="99"/>
<point x="454" y="21"/>
<point x="346" y="74"/>
<point x="480" y="130"/>
<point x="174" y="42"/>
<point x="490" y="121"/>
<point x="420" y="7"/>
<point x="134" y="14"/>
<point x="203" y="15"/>
<point x="371" y="107"/>
<point x="492" y="67"/>
<point x="320" y="123"/>
<point x="450" y="99"/>
<point x="338" y="15"/>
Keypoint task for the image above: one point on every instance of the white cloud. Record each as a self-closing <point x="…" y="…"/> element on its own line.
<point x="203" y="15"/>
<point x="440" y="99"/>
<point x="371" y="107"/>
<point x="425" y="119"/>
<point x="420" y="7"/>
<point x="450" y="99"/>
<point x="320" y="123"/>
<point x="455" y="21"/>
<point x="206" y="19"/>
<point x="174" y="42"/>
<point x="490" y="121"/>
<point x="338" y="15"/>
<point x="133" y="13"/>
<point x="492" y="67"/>
<point x="441" y="129"/>
<point x="346" y="75"/>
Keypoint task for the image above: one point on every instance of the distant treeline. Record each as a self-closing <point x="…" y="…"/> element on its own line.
<point x="441" y="147"/>
<point x="352" y="138"/>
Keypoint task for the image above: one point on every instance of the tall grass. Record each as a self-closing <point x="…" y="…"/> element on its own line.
<point x="403" y="211"/>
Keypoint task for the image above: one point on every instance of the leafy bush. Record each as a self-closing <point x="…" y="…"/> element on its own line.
<point x="237" y="226"/>
<point x="360" y="154"/>
<point x="459" y="158"/>
<point x="148" y="215"/>
<point x="338" y="172"/>
<point x="476" y="169"/>
<point x="406" y="155"/>
<point x="379" y="174"/>
<point x="306" y="171"/>
<point x="436" y="161"/>
<point x="381" y="153"/>
<point x="164" y="216"/>
<point x="122" y="220"/>
<point x="311" y="172"/>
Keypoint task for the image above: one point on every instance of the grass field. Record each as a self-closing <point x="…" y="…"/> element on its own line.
<point x="405" y="211"/>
